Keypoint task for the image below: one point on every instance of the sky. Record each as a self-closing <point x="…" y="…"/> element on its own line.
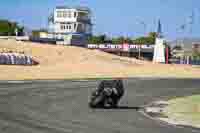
<point x="115" y="17"/>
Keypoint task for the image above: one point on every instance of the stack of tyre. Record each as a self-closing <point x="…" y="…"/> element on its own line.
<point x="16" y="59"/>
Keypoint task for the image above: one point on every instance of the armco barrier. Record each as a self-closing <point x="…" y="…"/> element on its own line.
<point x="16" y="59"/>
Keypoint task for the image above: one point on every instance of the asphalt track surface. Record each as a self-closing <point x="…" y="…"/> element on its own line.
<point x="62" y="106"/>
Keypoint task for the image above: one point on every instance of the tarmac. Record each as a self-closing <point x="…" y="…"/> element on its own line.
<point x="61" y="106"/>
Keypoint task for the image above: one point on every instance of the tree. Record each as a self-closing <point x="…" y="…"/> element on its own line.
<point x="21" y="31"/>
<point x="140" y="40"/>
<point x="196" y="55"/>
<point x="118" y="40"/>
<point x="153" y="34"/>
<point x="150" y="39"/>
<point x="97" y="39"/>
<point x="8" y="28"/>
<point x="121" y="40"/>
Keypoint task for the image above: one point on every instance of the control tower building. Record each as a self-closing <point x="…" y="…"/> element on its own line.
<point x="73" y="25"/>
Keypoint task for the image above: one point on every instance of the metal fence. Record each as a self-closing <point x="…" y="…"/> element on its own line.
<point x="186" y="61"/>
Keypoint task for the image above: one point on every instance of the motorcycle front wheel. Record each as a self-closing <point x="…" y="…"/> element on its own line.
<point x="97" y="102"/>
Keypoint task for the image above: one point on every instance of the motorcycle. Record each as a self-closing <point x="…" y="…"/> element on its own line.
<point x="107" y="95"/>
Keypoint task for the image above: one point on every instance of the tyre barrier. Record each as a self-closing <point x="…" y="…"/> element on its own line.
<point x="16" y="59"/>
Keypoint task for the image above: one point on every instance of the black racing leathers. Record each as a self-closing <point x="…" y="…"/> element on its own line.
<point x="107" y="95"/>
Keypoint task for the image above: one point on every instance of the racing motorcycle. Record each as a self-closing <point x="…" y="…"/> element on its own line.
<point x="107" y="95"/>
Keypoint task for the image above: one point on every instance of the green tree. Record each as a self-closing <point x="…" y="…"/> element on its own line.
<point x="140" y="40"/>
<point x="97" y="39"/>
<point x="21" y="31"/>
<point x="153" y="34"/>
<point x="196" y="54"/>
<point x="118" y="40"/>
<point x="121" y="40"/>
<point x="8" y="28"/>
<point x="150" y="39"/>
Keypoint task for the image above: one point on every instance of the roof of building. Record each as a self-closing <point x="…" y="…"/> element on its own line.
<point x="82" y="8"/>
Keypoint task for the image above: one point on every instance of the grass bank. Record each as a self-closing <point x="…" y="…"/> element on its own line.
<point x="185" y="111"/>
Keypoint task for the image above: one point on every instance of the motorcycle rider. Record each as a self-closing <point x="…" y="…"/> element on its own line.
<point x="108" y="94"/>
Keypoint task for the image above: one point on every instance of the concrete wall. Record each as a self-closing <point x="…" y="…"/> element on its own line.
<point x="16" y="59"/>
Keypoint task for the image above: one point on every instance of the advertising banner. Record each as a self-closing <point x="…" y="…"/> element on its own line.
<point x="125" y="47"/>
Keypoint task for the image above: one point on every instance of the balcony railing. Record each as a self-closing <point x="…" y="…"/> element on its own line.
<point x="84" y="19"/>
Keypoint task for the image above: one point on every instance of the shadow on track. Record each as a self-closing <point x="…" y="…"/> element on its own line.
<point x="120" y="108"/>
<point x="127" y="108"/>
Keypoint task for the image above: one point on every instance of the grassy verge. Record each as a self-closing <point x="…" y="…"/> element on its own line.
<point x="185" y="110"/>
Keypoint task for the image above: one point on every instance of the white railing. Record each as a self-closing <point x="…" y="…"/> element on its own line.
<point x="22" y="38"/>
<point x="18" y="38"/>
<point x="7" y="37"/>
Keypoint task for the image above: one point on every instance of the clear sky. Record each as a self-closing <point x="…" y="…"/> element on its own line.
<point x="114" y="17"/>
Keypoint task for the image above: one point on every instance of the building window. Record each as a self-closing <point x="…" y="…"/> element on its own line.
<point x="70" y="27"/>
<point x="59" y="14"/>
<point x="69" y="14"/>
<point x="75" y="14"/>
<point x="62" y="27"/>
<point x="64" y="14"/>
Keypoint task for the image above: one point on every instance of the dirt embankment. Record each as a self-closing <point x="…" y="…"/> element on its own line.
<point x="67" y="62"/>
